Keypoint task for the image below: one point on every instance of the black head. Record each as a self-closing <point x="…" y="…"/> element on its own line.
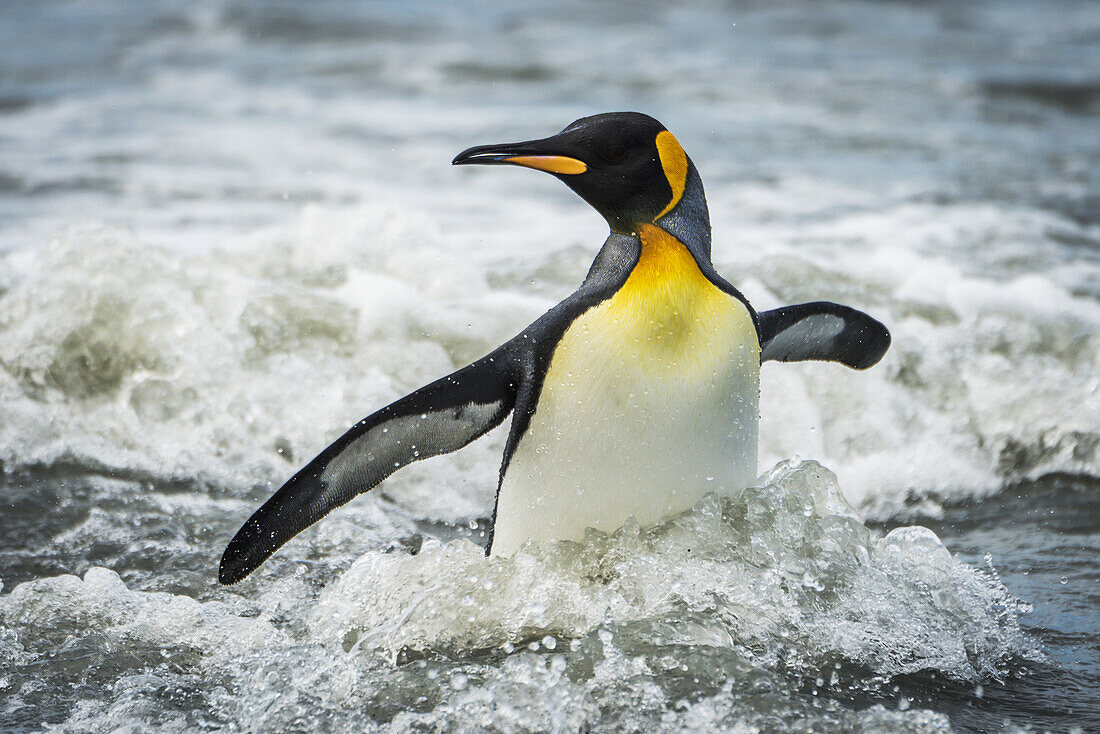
<point x="625" y="164"/>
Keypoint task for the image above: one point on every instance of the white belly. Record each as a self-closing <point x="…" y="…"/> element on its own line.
<point x="643" y="411"/>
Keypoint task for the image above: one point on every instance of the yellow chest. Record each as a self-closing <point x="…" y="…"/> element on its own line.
<point x="668" y="319"/>
<point x="650" y="402"/>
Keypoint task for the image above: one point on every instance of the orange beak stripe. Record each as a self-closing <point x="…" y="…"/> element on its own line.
<point x="549" y="163"/>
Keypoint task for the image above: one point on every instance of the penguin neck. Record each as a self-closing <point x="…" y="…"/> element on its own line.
<point x="687" y="224"/>
<point x="689" y="220"/>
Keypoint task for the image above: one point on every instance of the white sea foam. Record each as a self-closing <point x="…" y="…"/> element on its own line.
<point x="233" y="368"/>
<point x="781" y="585"/>
<point x="788" y="561"/>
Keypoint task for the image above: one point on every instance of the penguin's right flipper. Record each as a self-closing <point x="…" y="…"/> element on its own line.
<point x="821" y="331"/>
<point x="436" y="419"/>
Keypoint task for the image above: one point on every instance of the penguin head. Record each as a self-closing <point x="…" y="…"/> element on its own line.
<point x="626" y="165"/>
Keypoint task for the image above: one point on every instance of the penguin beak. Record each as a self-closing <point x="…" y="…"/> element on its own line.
<point x="532" y="154"/>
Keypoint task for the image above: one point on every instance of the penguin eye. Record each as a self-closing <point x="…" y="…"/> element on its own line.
<point x="615" y="153"/>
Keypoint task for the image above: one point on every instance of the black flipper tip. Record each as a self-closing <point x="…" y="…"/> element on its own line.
<point x="875" y="341"/>
<point x="229" y="573"/>
<point x="243" y="555"/>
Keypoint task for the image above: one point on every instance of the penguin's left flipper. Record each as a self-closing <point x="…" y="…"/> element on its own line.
<point x="436" y="419"/>
<point x="821" y="331"/>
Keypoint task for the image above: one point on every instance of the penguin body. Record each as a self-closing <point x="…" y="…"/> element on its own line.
<point x="633" y="397"/>
<point x="649" y="402"/>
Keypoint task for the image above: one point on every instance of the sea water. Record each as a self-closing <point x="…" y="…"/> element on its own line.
<point x="229" y="230"/>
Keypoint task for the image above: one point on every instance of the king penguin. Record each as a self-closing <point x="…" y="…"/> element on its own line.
<point x="633" y="397"/>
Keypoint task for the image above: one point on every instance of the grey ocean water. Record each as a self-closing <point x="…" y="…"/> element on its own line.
<point x="229" y="229"/>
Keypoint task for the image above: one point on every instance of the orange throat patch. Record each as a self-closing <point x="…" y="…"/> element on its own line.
<point x="675" y="315"/>
<point x="665" y="264"/>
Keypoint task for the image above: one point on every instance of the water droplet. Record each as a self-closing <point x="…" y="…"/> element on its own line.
<point x="1064" y="580"/>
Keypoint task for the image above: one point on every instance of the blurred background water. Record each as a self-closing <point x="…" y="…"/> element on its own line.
<point x="229" y="229"/>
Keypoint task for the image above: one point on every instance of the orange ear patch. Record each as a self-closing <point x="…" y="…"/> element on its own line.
<point x="674" y="161"/>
